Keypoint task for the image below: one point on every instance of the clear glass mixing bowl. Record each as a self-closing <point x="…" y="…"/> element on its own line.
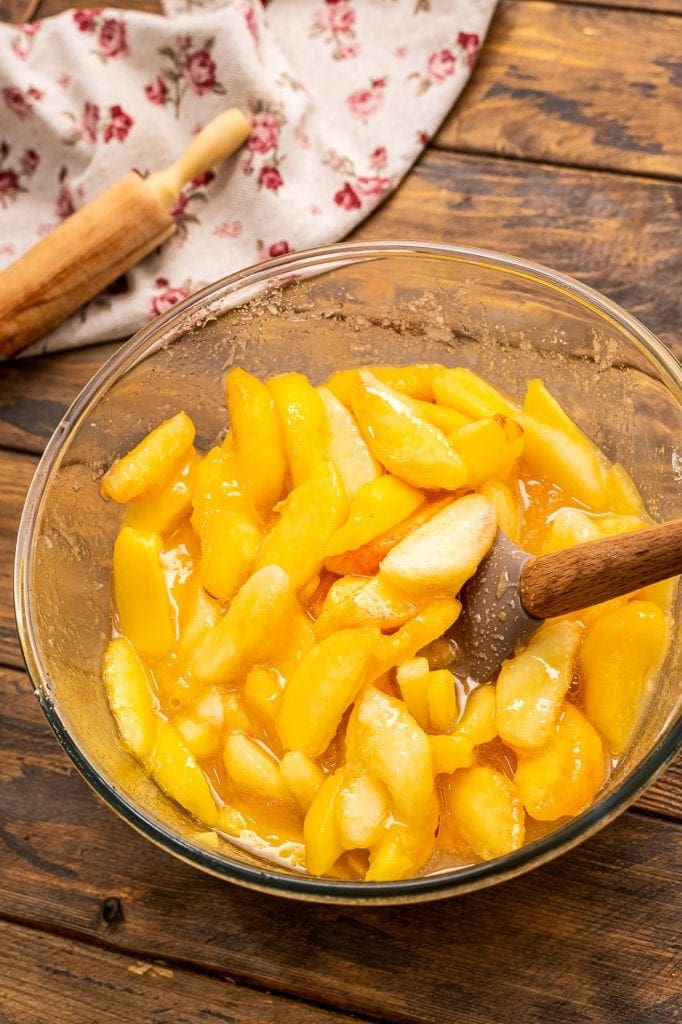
<point x="320" y="311"/>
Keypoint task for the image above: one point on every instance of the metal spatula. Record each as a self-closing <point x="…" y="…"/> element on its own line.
<point x="513" y="592"/>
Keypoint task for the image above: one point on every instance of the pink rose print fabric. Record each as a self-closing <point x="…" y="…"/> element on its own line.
<point x="342" y="96"/>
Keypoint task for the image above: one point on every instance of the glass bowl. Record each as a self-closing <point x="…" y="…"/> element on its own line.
<point x="319" y="311"/>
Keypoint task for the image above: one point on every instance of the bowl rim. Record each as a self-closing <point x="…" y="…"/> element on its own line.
<point x="444" y="883"/>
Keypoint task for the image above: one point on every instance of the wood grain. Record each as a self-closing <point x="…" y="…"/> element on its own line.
<point x="16" y="472"/>
<point x="48" y="979"/>
<point x="662" y="6"/>
<point x="578" y="85"/>
<point x="588" y="938"/>
<point x="622" y="237"/>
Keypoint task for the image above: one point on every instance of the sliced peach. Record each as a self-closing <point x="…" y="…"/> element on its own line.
<point x="485" y="809"/>
<point x="568" y="527"/>
<point x="130" y="696"/>
<point x="362" y="807"/>
<point x="476" y="726"/>
<point x="257" y="438"/>
<point x="490" y="447"/>
<point x="365" y="560"/>
<point x="376" y="507"/>
<point x="427" y="625"/>
<point x="302" y="776"/>
<point x="145" y="614"/>
<point x="384" y="737"/>
<point x="621" y="654"/>
<point x="358" y="601"/>
<point x="324" y="683"/>
<point x="253" y="769"/>
<point x="500" y="495"/>
<point x="412" y="677"/>
<point x="255" y="624"/>
<point x="623" y="495"/>
<point x="308" y="519"/>
<point x="440" y="556"/>
<point x="322" y="845"/>
<point x="562" y="778"/>
<point x="416" y="381"/>
<point x="262" y="694"/>
<point x="464" y="390"/>
<point x="441" y="698"/>
<point x="347" y="449"/>
<point x="161" y="510"/>
<point x="406" y="444"/>
<point x="151" y="463"/>
<point x="173" y="766"/>
<point x="532" y="685"/>
<point x="303" y="423"/>
<point x="225" y="523"/>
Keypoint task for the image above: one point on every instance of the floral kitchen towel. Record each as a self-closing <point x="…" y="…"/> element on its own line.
<point x="342" y="96"/>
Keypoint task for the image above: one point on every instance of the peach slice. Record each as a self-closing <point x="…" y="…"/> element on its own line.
<point x="441" y="699"/>
<point x="407" y="445"/>
<point x="508" y="515"/>
<point x="365" y="560"/>
<point x="415" y="381"/>
<point x="324" y="683"/>
<point x="175" y="769"/>
<point x="347" y="449"/>
<point x="531" y="686"/>
<point x="308" y="519"/>
<point x="302" y="776"/>
<point x="362" y="807"/>
<point x="145" y="613"/>
<point x="225" y="523"/>
<point x="257" y="438"/>
<point x="303" y="423"/>
<point x="623" y="496"/>
<point x="476" y="726"/>
<point x="161" y="510"/>
<point x="255" y="624"/>
<point x="130" y="696"/>
<point x="253" y="769"/>
<point x="562" y="778"/>
<point x="412" y="677"/>
<point x="358" y="601"/>
<point x="485" y="809"/>
<point x="618" y="662"/>
<point x="383" y="736"/>
<point x="440" y="556"/>
<point x="322" y="845"/>
<point x="464" y="390"/>
<point x="427" y="625"/>
<point x="490" y="447"/>
<point x="376" y="507"/>
<point x="150" y="464"/>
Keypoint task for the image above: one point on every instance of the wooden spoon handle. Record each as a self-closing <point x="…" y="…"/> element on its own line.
<point x="575" y="578"/>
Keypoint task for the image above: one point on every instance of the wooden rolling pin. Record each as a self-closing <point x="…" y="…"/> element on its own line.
<point x="102" y="240"/>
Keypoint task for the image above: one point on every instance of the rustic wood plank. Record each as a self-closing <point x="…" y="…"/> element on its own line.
<point x="590" y="937"/>
<point x="49" y="7"/>
<point x="665" y="796"/>
<point x="618" y="234"/>
<point x="623" y="237"/>
<point x="35" y="393"/>
<point x="48" y="979"/>
<point x="662" y="6"/>
<point x="16" y="472"/>
<point x="575" y="85"/>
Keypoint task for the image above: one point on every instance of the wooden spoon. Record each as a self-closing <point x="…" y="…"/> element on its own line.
<point x="513" y="592"/>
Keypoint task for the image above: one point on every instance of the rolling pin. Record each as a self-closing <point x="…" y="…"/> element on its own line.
<point x="103" y="239"/>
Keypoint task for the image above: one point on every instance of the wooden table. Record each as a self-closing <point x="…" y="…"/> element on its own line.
<point x="566" y="148"/>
